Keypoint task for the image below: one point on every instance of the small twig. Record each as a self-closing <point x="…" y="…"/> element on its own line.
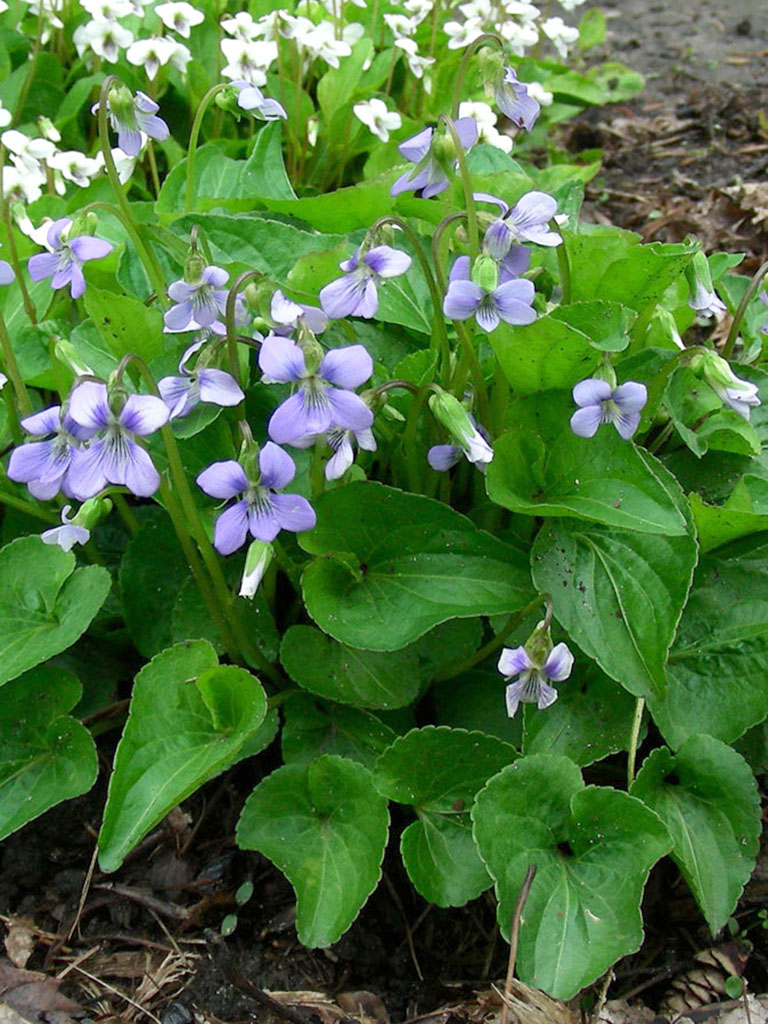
<point x="408" y="933"/>
<point x="83" y="895"/>
<point x="514" y="935"/>
<point x="122" y="995"/>
<point x="172" y="910"/>
<point x="602" y="995"/>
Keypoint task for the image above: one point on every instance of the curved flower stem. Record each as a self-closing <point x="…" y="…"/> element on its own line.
<point x="9" y="358"/>
<point x="126" y="513"/>
<point x="746" y="298"/>
<point x="28" y="508"/>
<point x="435" y="292"/>
<point x="192" y="524"/>
<point x="634" y="734"/>
<point x="130" y="224"/>
<point x="437" y="261"/>
<point x="153" y="168"/>
<point x="486" y="39"/>
<point x="466" y="181"/>
<point x="468" y="360"/>
<point x="152" y="267"/>
<point x="493" y="645"/>
<point x="29" y="306"/>
<point x="189" y="187"/>
<point x="412" y="453"/>
<point x="32" y="68"/>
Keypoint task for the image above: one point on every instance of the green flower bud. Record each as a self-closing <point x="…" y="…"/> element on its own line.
<point x="121" y="105"/>
<point x="92" y="512"/>
<point x="449" y="412"/>
<point x="312" y="349"/>
<point x="485" y="272"/>
<point x="257" y="561"/>
<point x="539" y="643"/>
<point x="194" y="265"/>
<point x="227" y="100"/>
<point x="698" y="273"/>
<point x="258" y="297"/>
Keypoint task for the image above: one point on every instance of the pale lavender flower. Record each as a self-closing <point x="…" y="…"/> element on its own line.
<point x="342" y="443"/>
<point x="68" y="534"/>
<point x="513" y="101"/>
<point x="64" y="260"/>
<point x="201" y="304"/>
<point x="533" y="686"/>
<point x="526" y="221"/>
<point x="45" y="466"/>
<point x="475" y="448"/>
<point x="600" y="403"/>
<point x="705" y="302"/>
<point x="130" y="116"/>
<point x="253" y="100"/>
<point x="114" y="457"/>
<point x="289" y="316"/>
<point x="355" y="294"/>
<point x="430" y="175"/>
<point x="763" y="296"/>
<point x="7" y="275"/>
<point x="510" y="301"/>
<point x="260" y="510"/>
<point x="205" y="384"/>
<point x="325" y="399"/>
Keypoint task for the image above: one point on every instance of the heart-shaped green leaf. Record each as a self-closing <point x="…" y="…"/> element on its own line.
<point x="718" y="667"/>
<point x="398" y="564"/>
<point x="619" y="594"/>
<point x="46" y="755"/>
<point x="45" y="603"/>
<point x="707" y="797"/>
<point x="189" y="719"/>
<point x="325" y="826"/>
<point x="592" y="847"/>
<point x="373" y="679"/>
<point x="314" y="727"/>
<point x="438" y="771"/>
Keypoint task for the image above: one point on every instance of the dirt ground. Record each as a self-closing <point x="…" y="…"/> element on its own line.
<point x="689" y="155"/>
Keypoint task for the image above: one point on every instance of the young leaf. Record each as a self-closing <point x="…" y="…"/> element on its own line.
<point x="45" y="603"/>
<point x="401" y="564"/>
<point x="618" y="593"/>
<point x="707" y="797"/>
<point x="189" y="719"/>
<point x="593" y="848"/>
<point x="718" y="668"/>
<point x="438" y="771"/>
<point x="47" y="756"/>
<point x="325" y="827"/>
<point x="313" y="727"/>
<point x="547" y="354"/>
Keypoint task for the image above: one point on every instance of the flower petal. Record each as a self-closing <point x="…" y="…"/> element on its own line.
<point x="626" y="423"/>
<point x="44" y="265"/>
<point x="223" y="479"/>
<point x="386" y="261"/>
<point x="342" y="297"/>
<point x="460" y="270"/>
<point x="346" y="367"/>
<point x="281" y="359"/>
<point x="416" y="148"/>
<point x="348" y="410"/>
<point x="88" y="405"/>
<point x="44" y="422"/>
<point x="177" y="393"/>
<point x="219" y="387"/>
<point x="630" y="397"/>
<point x="466" y="129"/>
<point x="559" y="663"/>
<point x="143" y="414"/>
<point x="262" y="520"/>
<point x="591" y="391"/>
<point x="513" y="661"/>
<point x="231" y="528"/>
<point x="276" y="466"/>
<point x="487" y="314"/>
<point x="86" y="247"/>
<point x="297" y="417"/>
<point x="138" y="472"/>
<point x="462" y="299"/>
<point x="178" y="317"/>
<point x="547" y="695"/>
<point x="443" y="457"/>
<point x="293" y="512"/>
<point x="584" y="422"/>
<point x="86" y="475"/>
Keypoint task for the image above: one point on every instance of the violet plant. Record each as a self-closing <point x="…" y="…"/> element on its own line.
<point x="359" y="493"/>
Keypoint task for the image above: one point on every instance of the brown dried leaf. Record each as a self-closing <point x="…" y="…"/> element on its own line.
<point x="618" y="1011"/>
<point x="20" y="940"/>
<point x="528" y="1006"/>
<point x="365" y="1005"/>
<point x="31" y="994"/>
<point x="752" y="197"/>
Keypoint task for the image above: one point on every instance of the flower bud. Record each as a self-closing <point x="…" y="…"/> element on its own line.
<point x="121" y="104"/>
<point x="312" y="349"/>
<point x="257" y="561"/>
<point x="607" y="373"/>
<point x="194" y="265"/>
<point x="539" y="643"/>
<point x="698" y="273"/>
<point x="258" y="298"/>
<point x="82" y="224"/>
<point x="485" y="272"/>
<point x="227" y="100"/>
<point x="451" y="414"/>
<point x="92" y="512"/>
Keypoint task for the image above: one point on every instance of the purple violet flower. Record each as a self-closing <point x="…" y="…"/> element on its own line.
<point x="252" y="99"/>
<point x="325" y="399"/>
<point x="114" y="457"/>
<point x="289" y="315"/>
<point x="355" y="294"/>
<point x="45" y="466"/>
<point x="476" y="449"/>
<point x="130" y="116"/>
<point x="533" y="686"/>
<point x="600" y="403"/>
<point x="526" y="221"/>
<point x="342" y="444"/>
<point x="68" y="534"/>
<point x="7" y="275"/>
<point x="705" y="302"/>
<point x="430" y="176"/>
<point x="513" y="101"/>
<point x="261" y="511"/>
<point x="65" y="257"/>
<point x="510" y="301"/>
<point x="206" y="384"/>
<point x="202" y="303"/>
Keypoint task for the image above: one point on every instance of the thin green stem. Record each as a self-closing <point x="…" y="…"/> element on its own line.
<point x="746" y="298"/>
<point x="32" y="68"/>
<point x="153" y="168"/>
<point x="126" y="513"/>
<point x="129" y="222"/>
<point x="634" y="736"/>
<point x="26" y="506"/>
<point x="412" y="453"/>
<point x="468" y="359"/>
<point x="486" y="39"/>
<point x="17" y="434"/>
<point x="564" y="264"/>
<point x="9" y="358"/>
<point x="493" y="645"/>
<point x="466" y="181"/>
<point x="197" y="123"/>
<point x="18" y="270"/>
